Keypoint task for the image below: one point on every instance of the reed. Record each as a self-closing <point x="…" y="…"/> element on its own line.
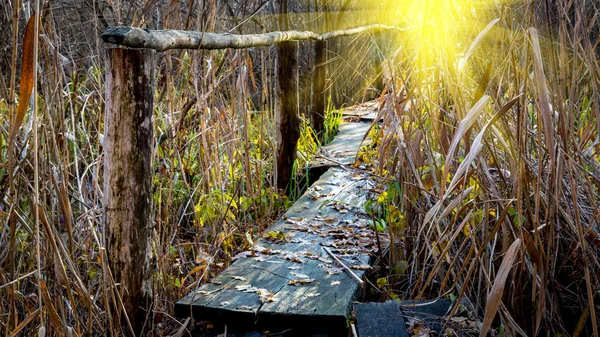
<point x="497" y="159"/>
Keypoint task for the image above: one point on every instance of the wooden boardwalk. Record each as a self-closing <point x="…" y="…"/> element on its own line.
<point x="291" y="280"/>
<point x="342" y="150"/>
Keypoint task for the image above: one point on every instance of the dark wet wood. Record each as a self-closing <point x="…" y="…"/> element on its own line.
<point x="433" y="314"/>
<point x="288" y="123"/>
<point x="380" y="320"/>
<point x="330" y="214"/>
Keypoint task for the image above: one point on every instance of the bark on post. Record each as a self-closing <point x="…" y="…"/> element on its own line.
<point x="288" y="123"/>
<point x="318" y="109"/>
<point x="127" y="203"/>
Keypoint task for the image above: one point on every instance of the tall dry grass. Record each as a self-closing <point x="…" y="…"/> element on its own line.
<point x="495" y="167"/>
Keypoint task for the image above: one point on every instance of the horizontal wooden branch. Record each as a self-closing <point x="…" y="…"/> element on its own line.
<point x="161" y="40"/>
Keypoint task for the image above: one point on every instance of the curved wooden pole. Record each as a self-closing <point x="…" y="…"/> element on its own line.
<point x="161" y="40"/>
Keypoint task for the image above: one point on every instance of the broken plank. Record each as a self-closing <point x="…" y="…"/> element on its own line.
<point x="380" y="320"/>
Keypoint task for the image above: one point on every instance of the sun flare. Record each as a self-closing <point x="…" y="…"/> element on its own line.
<point x="437" y="32"/>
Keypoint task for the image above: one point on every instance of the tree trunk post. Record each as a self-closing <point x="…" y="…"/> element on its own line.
<point x="128" y="146"/>
<point x="288" y="122"/>
<point x="317" y="113"/>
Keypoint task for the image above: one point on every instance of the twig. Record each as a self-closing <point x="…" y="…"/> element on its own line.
<point x="18" y="279"/>
<point x="270" y="272"/>
<point x="354" y="333"/>
<point x="260" y="8"/>
<point x="360" y="281"/>
<point x="183" y="328"/>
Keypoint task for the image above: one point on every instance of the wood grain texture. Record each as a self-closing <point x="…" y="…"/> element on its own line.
<point x="288" y="122"/>
<point x="344" y="147"/>
<point x="342" y="150"/>
<point x="128" y="146"/>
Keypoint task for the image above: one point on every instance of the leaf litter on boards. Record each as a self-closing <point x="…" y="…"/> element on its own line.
<point x="300" y="282"/>
<point x="300" y="276"/>
<point x="342" y="208"/>
<point x="347" y="238"/>
<point x="362" y="266"/>
<point x="329" y="269"/>
<point x="266" y="296"/>
<point x="247" y="288"/>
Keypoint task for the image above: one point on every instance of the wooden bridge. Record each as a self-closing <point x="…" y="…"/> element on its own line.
<point x="304" y="277"/>
<point x="308" y="268"/>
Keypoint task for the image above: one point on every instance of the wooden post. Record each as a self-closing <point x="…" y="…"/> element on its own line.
<point x="317" y="114"/>
<point x="128" y="146"/>
<point x="288" y="122"/>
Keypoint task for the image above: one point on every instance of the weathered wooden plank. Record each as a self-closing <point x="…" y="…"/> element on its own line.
<point x="344" y="147"/>
<point x="380" y="320"/>
<point x="330" y="215"/>
<point x="366" y="112"/>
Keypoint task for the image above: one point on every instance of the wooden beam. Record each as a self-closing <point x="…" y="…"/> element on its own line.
<point x="161" y="40"/>
<point x="128" y="146"/>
